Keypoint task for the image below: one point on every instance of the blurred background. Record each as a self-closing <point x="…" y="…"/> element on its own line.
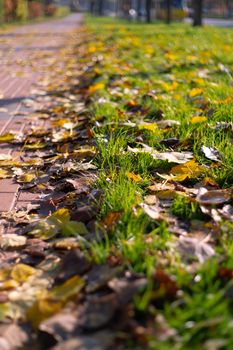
<point x="143" y="10"/>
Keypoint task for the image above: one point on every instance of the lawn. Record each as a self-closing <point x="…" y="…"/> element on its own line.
<point x="136" y="174"/>
<point x="157" y="90"/>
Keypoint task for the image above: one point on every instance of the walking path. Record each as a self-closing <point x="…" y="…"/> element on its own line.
<point x="25" y="55"/>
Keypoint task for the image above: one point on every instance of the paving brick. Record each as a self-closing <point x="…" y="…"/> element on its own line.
<point x="7" y="201"/>
<point x="8" y="186"/>
<point x="30" y="47"/>
<point x="27" y="196"/>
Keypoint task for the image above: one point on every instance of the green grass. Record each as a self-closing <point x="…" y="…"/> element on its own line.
<point x="157" y="67"/>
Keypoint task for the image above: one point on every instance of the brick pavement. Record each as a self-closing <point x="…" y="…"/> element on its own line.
<point x="24" y="53"/>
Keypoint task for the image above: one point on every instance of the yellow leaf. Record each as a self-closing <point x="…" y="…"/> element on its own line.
<point x="96" y="87"/>
<point x="54" y="300"/>
<point x="178" y="178"/>
<point x="37" y="145"/>
<point x="68" y="289"/>
<point x="21" y="272"/>
<point x="190" y="169"/>
<point x="83" y="152"/>
<point x="10" y="284"/>
<point x="171" y="56"/>
<point x="43" y="309"/>
<point x="148" y="126"/>
<point x="7" y="137"/>
<point x="4" y="311"/>
<point x="4" y="174"/>
<point x="4" y="274"/>
<point x="198" y="119"/>
<point x="133" y="177"/>
<point x="169" y="86"/>
<point x="26" y="178"/>
<point x="195" y="92"/>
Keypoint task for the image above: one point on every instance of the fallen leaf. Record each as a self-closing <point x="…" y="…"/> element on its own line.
<point x="14" y="336"/>
<point x="148" y="126"/>
<point x="59" y="221"/>
<point x="195" y="247"/>
<point x="99" y="276"/>
<point x="26" y="178"/>
<point x="102" y="340"/>
<point x="153" y="211"/>
<point x="191" y="169"/>
<point x="12" y="240"/>
<point x="172" y="157"/>
<point x="7" y="137"/>
<point x="66" y="290"/>
<point x="51" y="302"/>
<point x="5" y="157"/>
<point x="211" y="153"/>
<point x="98" y="311"/>
<point x="213" y="197"/>
<point x="4" y="174"/>
<point x="198" y="119"/>
<point x="61" y="325"/>
<point x="133" y="177"/>
<point x="195" y="92"/>
<point x="227" y="212"/>
<point x="96" y="87"/>
<point x="21" y="272"/>
<point x="73" y="263"/>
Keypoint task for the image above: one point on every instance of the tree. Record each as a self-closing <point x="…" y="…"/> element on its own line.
<point x="169" y="11"/>
<point x="1" y="10"/>
<point x="197" y="12"/>
<point x="148" y="10"/>
<point x="91" y="6"/>
<point x="139" y="8"/>
<point x="100" y="7"/>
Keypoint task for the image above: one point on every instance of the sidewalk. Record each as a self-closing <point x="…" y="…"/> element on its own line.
<point x="25" y="55"/>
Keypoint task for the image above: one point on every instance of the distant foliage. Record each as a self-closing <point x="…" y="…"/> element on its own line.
<point x="10" y="7"/>
<point x="35" y="9"/>
<point x="22" y="10"/>
<point x="50" y="10"/>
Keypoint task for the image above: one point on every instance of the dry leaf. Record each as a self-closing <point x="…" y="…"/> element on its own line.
<point x="198" y="119"/>
<point x="133" y="177"/>
<point x="12" y="240"/>
<point x="7" y="137"/>
<point x="211" y="153"/>
<point x="213" y="197"/>
<point x="172" y="157"/>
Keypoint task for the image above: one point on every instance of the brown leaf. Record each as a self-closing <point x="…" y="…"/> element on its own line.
<point x="98" y="311"/>
<point x="196" y="247"/>
<point x="73" y="263"/>
<point x="13" y="336"/>
<point x="173" y="157"/>
<point x="126" y="288"/>
<point x="62" y="325"/>
<point x="212" y="197"/>
<point x="102" y="340"/>
<point x="99" y="276"/>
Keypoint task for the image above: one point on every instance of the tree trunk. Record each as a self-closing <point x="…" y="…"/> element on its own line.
<point x="139" y="8"/>
<point x="169" y="11"/>
<point x="91" y="6"/>
<point x="148" y="10"/>
<point x="101" y="7"/>
<point x="1" y="11"/>
<point x="197" y="12"/>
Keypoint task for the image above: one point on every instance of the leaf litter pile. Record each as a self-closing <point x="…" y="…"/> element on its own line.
<point x="130" y="243"/>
